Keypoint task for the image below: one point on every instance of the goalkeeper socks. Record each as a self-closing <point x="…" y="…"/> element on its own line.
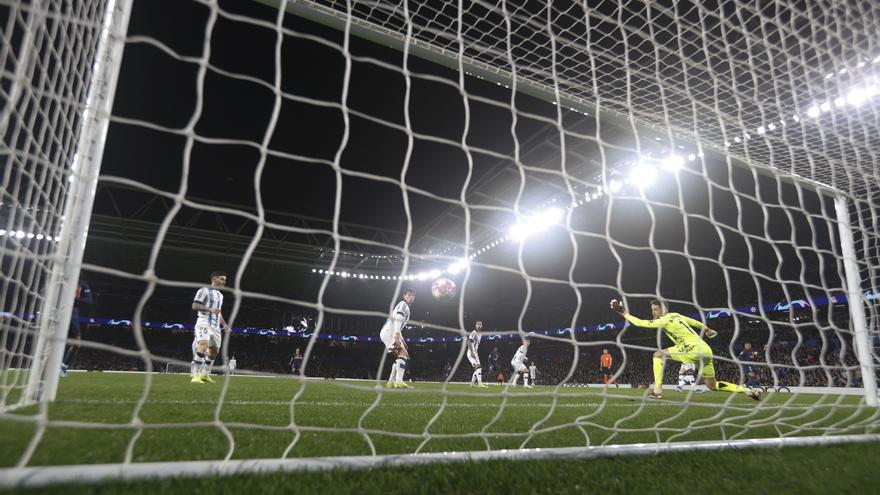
<point x="658" y="374"/>
<point x="729" y="387"/>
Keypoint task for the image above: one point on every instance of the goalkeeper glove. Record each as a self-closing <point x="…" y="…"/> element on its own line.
<point x="711" y="333"/>
<point x="617" y="306"/>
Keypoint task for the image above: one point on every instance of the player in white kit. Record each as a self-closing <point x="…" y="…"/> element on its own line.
<point x="206" y="342"/>
<point x="473" y="346"/>
<point x="518" y="362"/>
<point x="687" y="376"/>
<point x="392" y="336"/>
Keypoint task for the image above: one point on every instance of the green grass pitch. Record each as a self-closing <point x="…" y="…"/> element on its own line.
<point x="92" y="419"/>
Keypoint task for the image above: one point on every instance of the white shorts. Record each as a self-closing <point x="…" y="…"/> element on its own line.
<point x="475" y="360"/>
<point x="387" y="336"/>
<point x="518" y="366"/>
<point x="209" y="333"/>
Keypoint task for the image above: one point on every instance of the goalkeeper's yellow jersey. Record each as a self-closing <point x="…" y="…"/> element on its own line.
<point x="679" y="328"/>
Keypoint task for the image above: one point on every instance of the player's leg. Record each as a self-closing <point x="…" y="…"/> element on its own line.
<point x="708" y="372"/>
<point x="681" y="379"/>
<point x="477" y="376"/>
<point x="73" y="349"/>
<point x="402" y="365"/>
<point x="387" y="338"/>
<point x="658" y="361"/>
<point x="214" y="341"/>
<point x="200" y="349"/>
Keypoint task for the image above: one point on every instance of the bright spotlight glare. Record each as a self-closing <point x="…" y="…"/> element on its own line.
<point x="813" y="111"/>
<point x="457" y="266"/>
<point x="856" y="96"/>
<point x="536" y="223"/>
<point x="615" y="186"/>
<point x="643" y="176"/>
<point x="825" y="107"/>
<point x="673" y="163"/>
<point x="692" y="157"/>
<point x="771" y="127"/>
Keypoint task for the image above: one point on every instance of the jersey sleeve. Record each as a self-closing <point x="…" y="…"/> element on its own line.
<point x="201" y="296"/>
<point x="398" y="316"/>
<point x="692" y="322"/>
<point x="643" y="323"/>
<point x="85" y="293"/>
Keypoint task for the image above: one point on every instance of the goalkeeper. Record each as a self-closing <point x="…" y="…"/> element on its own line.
<point x="688" y="347"/>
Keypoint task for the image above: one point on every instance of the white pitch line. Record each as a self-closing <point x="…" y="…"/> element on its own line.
<point x="395" y="404"/>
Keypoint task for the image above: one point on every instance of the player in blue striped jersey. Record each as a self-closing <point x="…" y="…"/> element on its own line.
<point x="206" y="342"/>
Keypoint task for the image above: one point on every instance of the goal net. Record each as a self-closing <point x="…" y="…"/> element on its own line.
<point x="516" y="164"/>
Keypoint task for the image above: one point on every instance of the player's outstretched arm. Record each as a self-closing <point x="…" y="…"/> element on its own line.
<point x="617" y="306"/>
<point x="702" y="326"/>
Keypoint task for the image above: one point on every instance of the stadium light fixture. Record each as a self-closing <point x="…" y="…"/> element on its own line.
<point x="536" y="223"/>
<point x="643" y="175"/>
<point x="839" y="102"/>
<point x="771" y="127"/>
<point x="673" y="163"/>
<point x="813" y="111"/>
<point x="692" y="157"/>
<point x="457" y="266"/>
<point x="825" y="106"/>
<point x="856" y="96"/>
<point x="615" y="186"/>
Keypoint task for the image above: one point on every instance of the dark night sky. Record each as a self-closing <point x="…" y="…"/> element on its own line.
<point x="156" y="88"/>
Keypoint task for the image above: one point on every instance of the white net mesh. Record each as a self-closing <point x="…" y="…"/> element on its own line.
<point x="545" y="158"/>
<point x="47" y="57"/>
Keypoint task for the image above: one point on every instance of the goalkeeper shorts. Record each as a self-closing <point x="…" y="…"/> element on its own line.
<point x="694" y="354"/>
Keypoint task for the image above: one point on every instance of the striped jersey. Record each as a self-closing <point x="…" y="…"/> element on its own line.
<point x="210" y="298"/>
<point x="475" y="338"/>
<point x="520" y="355"/>
<point x="399" y="317"/>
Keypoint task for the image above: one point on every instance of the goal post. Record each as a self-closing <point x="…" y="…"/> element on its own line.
<point x="82" y="177"/>
<point x="855" y="296"/>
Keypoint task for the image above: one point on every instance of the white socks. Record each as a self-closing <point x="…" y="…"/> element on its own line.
<point x="477" y="376"/>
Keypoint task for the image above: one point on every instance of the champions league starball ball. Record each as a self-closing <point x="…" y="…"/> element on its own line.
<point x="443" y="289"/>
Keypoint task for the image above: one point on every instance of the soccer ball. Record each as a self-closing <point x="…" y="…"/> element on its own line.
<point x="443" y="289"/>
